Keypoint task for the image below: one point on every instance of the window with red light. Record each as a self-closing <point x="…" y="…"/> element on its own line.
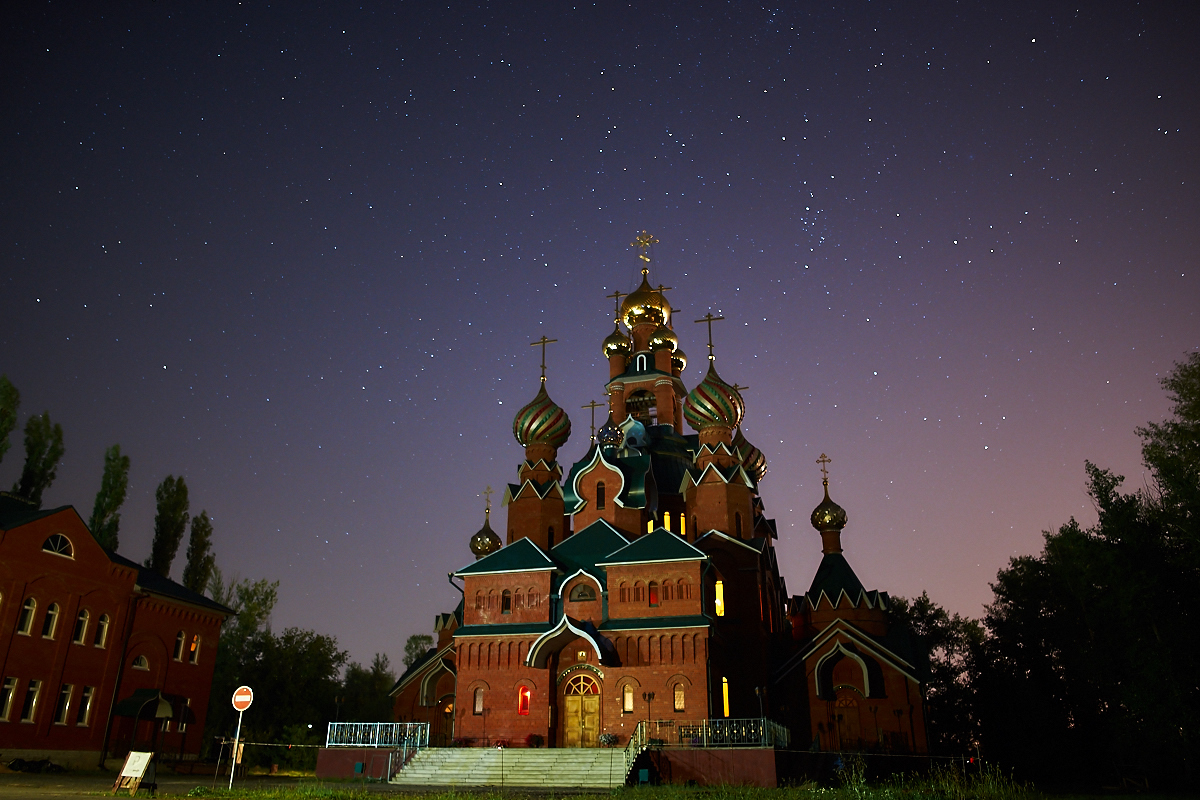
<point x="523" y="700"/>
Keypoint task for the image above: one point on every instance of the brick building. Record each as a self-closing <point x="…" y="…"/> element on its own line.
<point x="88" y="639"/>
<point x="642" y="583"/>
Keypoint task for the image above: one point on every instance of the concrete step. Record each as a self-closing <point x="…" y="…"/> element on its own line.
<point x="548" y="767"/>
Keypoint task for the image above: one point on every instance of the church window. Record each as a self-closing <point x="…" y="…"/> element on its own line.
<point x="140" y="662"/>
<point x="523" y="696"/>
<point x="639" y="592"/>
<point x="682" y="524"/>
<point x="59" y="545"/>
<point x="180" y="640"/>
<point x="624" y="592"/>
<point x="719" y="600"/>
<point x="582" y="592"/>
<point x="81" y="623"/>
<point x="627" y="699"/>
<point x="582" y="684"/>
<point x="737" y="525"/>
<point x="491" y="601"/>
<point x="101" y="631"/>
<point x="506" y="602"/>
<point x="25" y="623"/>
<point x="194" y="650"/>
<point x="667" y="521"/>
<point x="650" y="525"/>
<point x="668" y="591"/>
<point x="600" y="496"/>
<point x="535" y="599"/>
<point x="550" y="536"/>
<point x="518" y="599"/>
<point x="725" y="696"/>
<point x="643" y="406"/>
<point x="653" y="589"/>
<point x="50" y="623"/>
<point x="479" y="601"/>
<point x="477" y="706"/>
<point x="683" y="591"/>
<point x="679" y="697"/>
<point x="641" y="363"/>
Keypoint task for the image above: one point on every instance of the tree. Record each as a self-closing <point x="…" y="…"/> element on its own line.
<point x="43" y="450"/>
<point x="366" y="691"/>
<point x="417" y="645"/>
<point x="200" y="560"/>
<point x="10" y="401"/>
<point x="105" y="521"/>
<point x="170" y="522"/>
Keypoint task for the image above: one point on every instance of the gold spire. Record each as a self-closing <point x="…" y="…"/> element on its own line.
<point x="642" y="242"/>
<point x="593" y="406"/>
<point x="543" y="342"/>
<point x="710" y="319"/>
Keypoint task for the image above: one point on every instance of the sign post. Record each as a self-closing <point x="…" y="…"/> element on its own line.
<point x="242" y="698"/>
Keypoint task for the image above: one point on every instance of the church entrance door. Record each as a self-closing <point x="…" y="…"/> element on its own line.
<point x="581" y="712"/>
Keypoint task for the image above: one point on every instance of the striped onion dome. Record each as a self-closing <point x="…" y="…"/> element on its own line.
<point x="714" y="403"/>
<point x="542" y="421"/>
<point x="753" y="461"/>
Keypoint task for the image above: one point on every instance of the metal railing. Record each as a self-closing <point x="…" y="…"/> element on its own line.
<point x="757" y="732"/>
<point x="403" y="736"/>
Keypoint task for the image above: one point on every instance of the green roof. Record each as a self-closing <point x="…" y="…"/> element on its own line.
<point x="662" y="545"/>
<point x="643" y="623"/>
<point x="503" y="629"/>
<point x="833" y="576"/>
<point x="520" y="556"/>
<point x="584" y="549"/>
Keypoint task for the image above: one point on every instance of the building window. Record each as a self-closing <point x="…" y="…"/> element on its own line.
<point x="682" y="524"/>
<point x="641" y="363"/>
<point x="518" y="599"/>
<point x="50" y="623"/>
<point x="85" y="706"/>
<point x="140" y="662"/>
<point x="180" y="640"/>
<point x="719" y="600"/>
<point x="64" y="704"/>
<point x="624" y="592"/>
<point x="737" y="524"/>
<point x="667" y="521"/>
<point x="6" y="697"/>
<point x="59" y="545"/>
<point x="181" y="726"/>
<point x="683" y="591"/>
<point x="81" y="623"/>
<point x="523" y="695"/>
<point x="101" y="631"/>
<point x="166" y="725"/>
<point x="479" y="601"/>
<point x="650" y="525"/>
<point x="194" y="650"/>
<point x="25" y="623"/>
<point x="582" y="592"/>
<point x="550" y="536"/>
<point x="506" y="602"/>
<point x="477" y="707"/>
<point x="600" y="496"/>
<point x="667" y="591"/>
<point x="627" y="699"/>
<point x="29" y="708"/>
<point x="534" y="598"/>
<point x="653" y="588"/>
<point x="725" y="696"/>
<point x="679" y="698"/>
<point x="581" y="656"/>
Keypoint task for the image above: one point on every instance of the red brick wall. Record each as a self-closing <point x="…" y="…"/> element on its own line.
<point x="482" y="587"/>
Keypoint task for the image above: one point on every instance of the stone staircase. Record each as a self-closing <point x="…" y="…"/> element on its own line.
<point x="561" y="768"/>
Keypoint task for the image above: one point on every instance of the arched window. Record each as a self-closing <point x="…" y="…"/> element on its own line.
<point x="679" y="697"/>
<point x="477" y="705"/>
<point x="641" y="362"/>
<point x="725" y="696"/>
<point x="667" y="521"/>
<point x="643" y="405"/>
<point x="719" y="600"/>
<point x="682" y="524"/>
<point x="582" y="592"/>
<point x="737" y="524"/>
<point x="194" y="650"/>
<point x="653" y="590"/>
<point x="523" y="697"/>
<point x="479" y="601"/>
<point x="101" y="631"/>
<point x="25" y="622"/>
<point x="140" y="662"/>
<point x="600" y="496"/>
<point x="518" y="599"/>
<point x="639" y="592"/>
<point x="50" y="623"/>
<point x="624" y="592"/>
<point x="491" y="600"/>
<point x="180" y="640"/>
<point x="627" y="699"/>
<point x="582" y="684"/>
<point x="683" y="591"/>
<point x="650" y="525"/>
<point x="535" y="599"/>
<point x="668" y="591"/>
<point x="506" y="602"/>
<point x="59" y="545"/>
<point x="79" y="636"/>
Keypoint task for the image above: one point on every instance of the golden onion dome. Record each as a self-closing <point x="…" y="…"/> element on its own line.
<point x="617" y="343"/>
<point x="663" y="337"/>
<point x="645" y="306"/>
<point x="714" y="403"/>
<point x="753" y="460"/>
<point x="485" y="541"/>
<point x="679" y="359"/>
<point x="542" y="421"/>
<point x="828" y="516"/>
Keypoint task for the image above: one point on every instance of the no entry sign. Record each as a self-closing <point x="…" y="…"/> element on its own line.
<point x="242" y="698"/>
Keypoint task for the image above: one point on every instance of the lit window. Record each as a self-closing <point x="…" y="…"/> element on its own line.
<point x="667" y="521"/>
<point x="194" y="650"/>
<point x="653" y="593"/>
<point x="50" y="623"/>
<point x="719" y="600"/>
<point x="682" y="524"/>
<point x="581" y="656"/>
<point x="25" y="623"/>
<point x="725" y="696"/>
<point x="64" y="704"/>
<point x="627" y="699"/>
<point x="81" y="623"/>
<point x="101" y="631"/>
<point x="29" y="708"/>
<point x="180" y="639"/>
<point x="650" y="525"/>
<point x="477" y="708"/>
<point x="140" y="662"/>
<point x="506" y="602"/>
<point x="85" y="706"/>
<point x="59" y="545"/>
<point x="523" y="695"/>
<point x="679" y="700"/>
<point x="6" y="697"/>
<point x="600" y="496"/>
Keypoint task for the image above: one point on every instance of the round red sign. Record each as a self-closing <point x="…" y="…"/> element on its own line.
<point x="242" y="698"/>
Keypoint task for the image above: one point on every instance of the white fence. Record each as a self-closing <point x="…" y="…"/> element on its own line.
<point x="394" y="735"/>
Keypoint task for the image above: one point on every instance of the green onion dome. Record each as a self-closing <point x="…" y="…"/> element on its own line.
<point x="617" y="343"/>
<point x="714" y="403"/>
<point x="828" y="516"/>
<point x="663" y="337"/>
<point x="753" y="461"/>
<point x="542" y="421"/>
<point x="485" y="541"/>
<point x="679" y="359"/>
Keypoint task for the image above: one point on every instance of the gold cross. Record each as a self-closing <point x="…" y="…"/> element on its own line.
<point x="710" y="319"/>
<point x="642" y="242"/>
<point x="824" y="460"/>
<point x="593" y="406"/>
<point x="737" y="387"/>
<point x="617" y="302"/>
<point x="487" y="493"/>
<point x="543" y="342"/>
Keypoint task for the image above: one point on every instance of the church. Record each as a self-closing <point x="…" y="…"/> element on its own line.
<point x="641" y="582"/>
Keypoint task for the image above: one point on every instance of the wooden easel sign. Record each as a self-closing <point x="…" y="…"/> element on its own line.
<point x="133" y="772"/>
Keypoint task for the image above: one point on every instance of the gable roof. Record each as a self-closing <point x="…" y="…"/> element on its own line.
<point x="662" y="545"/>
<point x="583" y="550"/>
<point x="520" y="556"/>
<point x="154" y="583"/>
<point x="17" y="511"/>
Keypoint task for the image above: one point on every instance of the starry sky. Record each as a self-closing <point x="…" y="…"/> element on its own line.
<point x="297" y="252"/>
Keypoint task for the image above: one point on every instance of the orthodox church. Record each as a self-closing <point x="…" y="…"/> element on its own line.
<point x="641" y="582"/>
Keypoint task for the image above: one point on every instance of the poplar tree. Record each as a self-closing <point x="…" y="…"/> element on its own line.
<point x="105" y="520"/>
<point x="200" y="560"/>
<point x="10" y="401"/>
<point x="43" y="450"/>
<point x="170" y="522"/>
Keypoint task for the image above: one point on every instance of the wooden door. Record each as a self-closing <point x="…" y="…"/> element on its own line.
<point x="581" y="712"/>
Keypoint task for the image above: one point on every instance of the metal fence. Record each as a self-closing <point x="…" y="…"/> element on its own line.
<point x="404" y="736"/>
<point x="759" y="732"/>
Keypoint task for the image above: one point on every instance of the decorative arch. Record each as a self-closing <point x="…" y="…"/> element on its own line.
<point x="553" y="640"/>
<point x="426" y="694"/>
<point x="826" y="663"/>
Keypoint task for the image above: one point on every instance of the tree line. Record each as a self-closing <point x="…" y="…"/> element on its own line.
<point x="1085" y="668"/>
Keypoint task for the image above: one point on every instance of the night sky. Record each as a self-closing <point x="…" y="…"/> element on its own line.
<point x="297" y="253"/>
